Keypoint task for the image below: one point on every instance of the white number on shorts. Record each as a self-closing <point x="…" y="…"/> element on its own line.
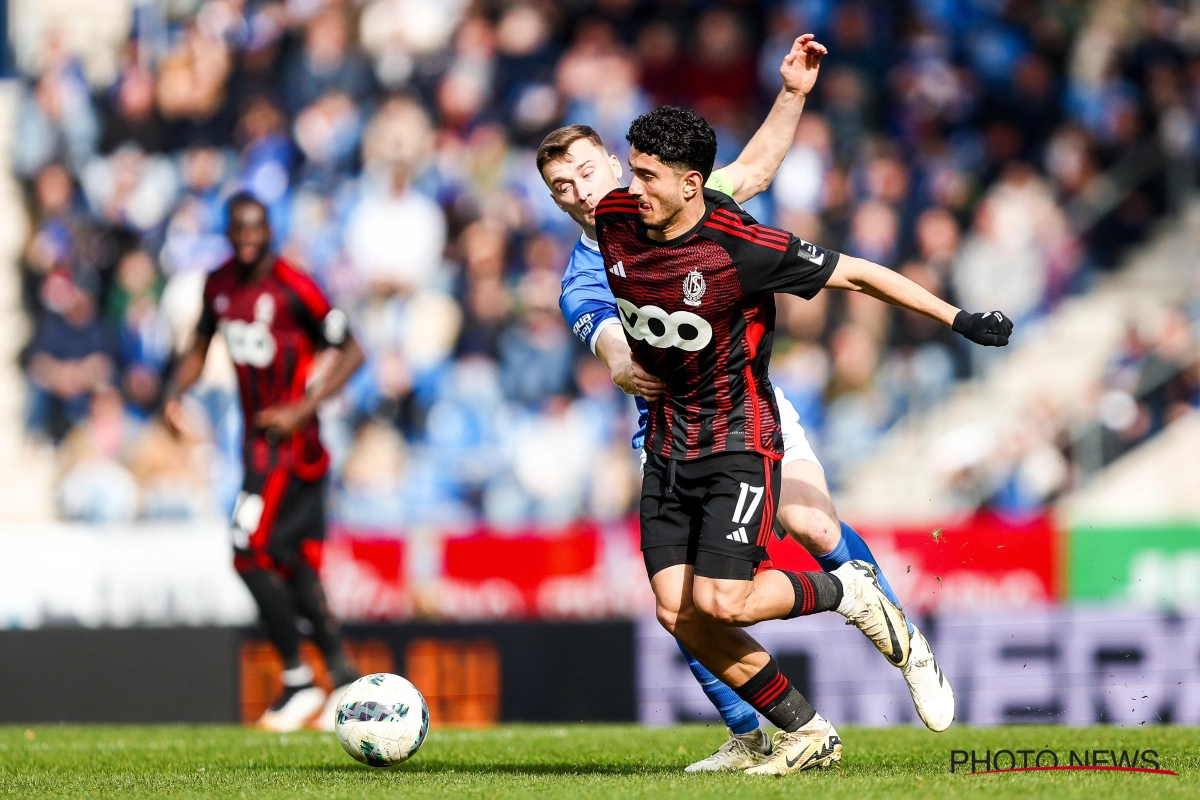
<point x="247" y="512"/>
<point x="757" y="491"/>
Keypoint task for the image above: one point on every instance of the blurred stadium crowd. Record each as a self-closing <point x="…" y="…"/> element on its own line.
<point x="393" y="143"/>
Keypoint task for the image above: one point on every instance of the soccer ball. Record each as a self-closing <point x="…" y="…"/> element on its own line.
<point x="382" y="720"/>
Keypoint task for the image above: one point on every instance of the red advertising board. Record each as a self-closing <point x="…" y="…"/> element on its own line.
<point x="364" y="578"/>
<point x="585" y="570"/>
<point x="985" y="561"/>
<point x="524" y="560"/>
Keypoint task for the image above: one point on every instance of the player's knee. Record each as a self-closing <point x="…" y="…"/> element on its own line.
<point x="668" y="617"/>
<point x="728" y="606"/>
<point x="679" y="619"/>
<point x="812" y="528"/>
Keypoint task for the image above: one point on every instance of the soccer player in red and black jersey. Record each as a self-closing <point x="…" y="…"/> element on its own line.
<point x="694" y="278"/>
<point x="275" y="320"/>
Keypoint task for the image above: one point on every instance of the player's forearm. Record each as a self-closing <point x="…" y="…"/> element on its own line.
<point x="612" y="348"/>
<point x="350" y="357"/>
<point x="859" y="275"/>
<point x="762" y="155"/>
<point x="189" y="369"/>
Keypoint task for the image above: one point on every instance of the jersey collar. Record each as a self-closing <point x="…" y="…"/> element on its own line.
<point x="589" y="243"/>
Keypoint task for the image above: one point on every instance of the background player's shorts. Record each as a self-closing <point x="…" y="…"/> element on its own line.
<point x="795" y="443"/>
<point x="278" y="522"/>
<point x="715" y="513"/>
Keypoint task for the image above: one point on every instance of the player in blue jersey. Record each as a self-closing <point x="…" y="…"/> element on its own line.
<point x="579" y="172"/>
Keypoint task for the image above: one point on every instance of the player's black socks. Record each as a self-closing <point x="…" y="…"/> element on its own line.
<point x="773" y="696"/>
<point x="275" y="608"/>
<point x="310" y="603"/>
<point x="815" y="592"/>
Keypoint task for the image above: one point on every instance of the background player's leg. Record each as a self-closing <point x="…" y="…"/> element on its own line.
<point x="300" y="698"/>
<point x="271" y="595"/>
<point x="737" y="714"/>
<point x="807" y="514"/>
<point x="852" y="547"/>
<point x="278" y="538"/>
<point x="309" y="599"/>
<point x="299" y="543"/>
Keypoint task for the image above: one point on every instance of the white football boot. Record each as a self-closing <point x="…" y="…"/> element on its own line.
<point x="738" y="753"/>
<point x="327" y="718"/>
<point x="928" y="685"/>
<point x="865" y="606"/>
<point x="815" y="745"/>
<point x="298" y="703"/>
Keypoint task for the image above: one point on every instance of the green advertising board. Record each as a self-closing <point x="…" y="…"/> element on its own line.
<point x="1147" y="565"/>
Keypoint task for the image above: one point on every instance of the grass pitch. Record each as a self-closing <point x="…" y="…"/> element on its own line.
<point x="585" y="761"/>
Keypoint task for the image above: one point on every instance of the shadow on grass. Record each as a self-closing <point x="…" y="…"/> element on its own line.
<point x="518" y="768"/>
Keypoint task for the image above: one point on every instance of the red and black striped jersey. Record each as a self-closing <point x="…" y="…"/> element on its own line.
<point x="699" y="312"/>
<point x="273" y="326"/>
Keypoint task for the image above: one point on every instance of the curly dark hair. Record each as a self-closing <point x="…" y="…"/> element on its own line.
<point x="680" y="138"/>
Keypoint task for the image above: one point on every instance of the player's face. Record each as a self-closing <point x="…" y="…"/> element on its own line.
<point x="658" y="189"/>
<point x="579" y="180"/>
<point x="249" y="232"/>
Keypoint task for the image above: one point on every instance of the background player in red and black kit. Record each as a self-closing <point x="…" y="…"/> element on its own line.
<point x="275" y="320"/>
<point x="694" y="277"/>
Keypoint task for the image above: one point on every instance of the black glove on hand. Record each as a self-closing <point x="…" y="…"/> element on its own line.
<point x="990" y="328"/>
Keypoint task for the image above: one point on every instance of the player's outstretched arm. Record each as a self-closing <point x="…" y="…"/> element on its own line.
<point x="186" y="373"/>
<point x="990" y="328"/>
<point x="758" y="162"/>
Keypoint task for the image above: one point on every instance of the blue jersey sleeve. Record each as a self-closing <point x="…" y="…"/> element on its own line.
<point x="587" y="304"/>
<point x="586" y="301"/>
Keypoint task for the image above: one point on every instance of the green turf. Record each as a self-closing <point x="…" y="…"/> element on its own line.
<point x="560" y="761"/>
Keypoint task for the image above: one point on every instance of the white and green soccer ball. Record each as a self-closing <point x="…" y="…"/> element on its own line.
<point x="382" y="720"/>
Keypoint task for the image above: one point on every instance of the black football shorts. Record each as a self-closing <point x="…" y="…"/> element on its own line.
<point x="278" y="522"/>
<point x="715" y="513"/>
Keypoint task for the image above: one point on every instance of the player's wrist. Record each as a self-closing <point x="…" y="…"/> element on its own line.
<point x="618" y="369"/>
<point x="172" y="393"/>
<point x="309" y="405"/>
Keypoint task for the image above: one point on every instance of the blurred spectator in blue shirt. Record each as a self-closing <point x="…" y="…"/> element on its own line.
<point x="327" y="62"/>
<point x="71" y="355"/>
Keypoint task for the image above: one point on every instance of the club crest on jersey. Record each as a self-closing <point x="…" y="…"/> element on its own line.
<point x="693" y="288"/>
<point x="264" y="309"/>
